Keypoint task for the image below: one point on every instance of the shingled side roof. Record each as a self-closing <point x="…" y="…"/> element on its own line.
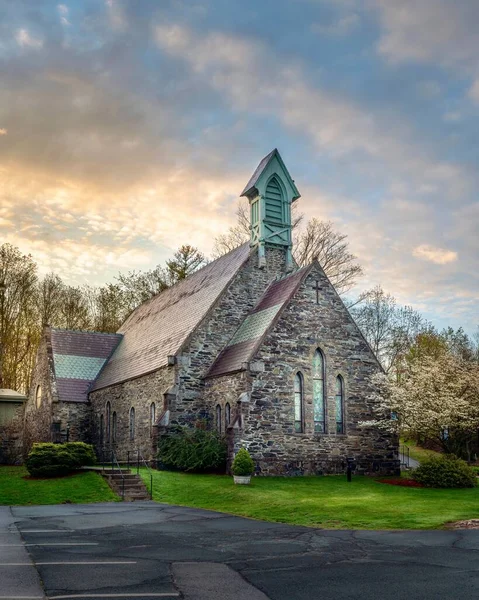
<point x="78" y="357"/>
<point x="158" y="328"/>
<point x="247" y="339"/>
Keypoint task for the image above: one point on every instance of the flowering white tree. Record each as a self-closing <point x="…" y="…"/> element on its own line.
<point x="436" y="398"/>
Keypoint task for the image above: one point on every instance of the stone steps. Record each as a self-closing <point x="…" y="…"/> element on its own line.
<point x="133" y="486"/>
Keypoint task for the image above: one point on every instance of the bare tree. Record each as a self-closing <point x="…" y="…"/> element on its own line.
<point x="19" y="329"/>
<point x="318" y="240"/>
<point x="74" y="310"/>
<point x="389" y="329"/>
<point x="50" y="295"/>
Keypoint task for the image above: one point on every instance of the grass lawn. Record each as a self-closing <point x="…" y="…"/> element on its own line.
<point x="78" y="488"/>
<point x="328" y="502"/>
<point x="418" y="453"/>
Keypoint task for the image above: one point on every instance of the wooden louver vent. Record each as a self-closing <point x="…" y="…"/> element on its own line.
<point x="274" y="202"/>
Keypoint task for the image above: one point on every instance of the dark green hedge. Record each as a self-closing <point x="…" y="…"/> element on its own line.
<point x="54" y="460"/>
<point x="83" y="453"/>
<point x="445" y="471"/>
<point x="195" y="450"/>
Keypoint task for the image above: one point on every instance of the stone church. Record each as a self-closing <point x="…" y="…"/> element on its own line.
<point x="263" y="351"/>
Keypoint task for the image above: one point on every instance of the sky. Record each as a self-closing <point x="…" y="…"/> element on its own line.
<point x="130" y="127"/>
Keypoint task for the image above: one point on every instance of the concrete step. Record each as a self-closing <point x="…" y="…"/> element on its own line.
<point x="132" y="486"/>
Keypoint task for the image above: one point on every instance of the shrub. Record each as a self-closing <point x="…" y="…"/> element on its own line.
<point x="81" y="452"/>
<point x="243" y="464"/>
<point x="53" y="460"/>
<point x="50" y="460"/>
<point x="445" y="471"/>
<point x="195" y="450"/>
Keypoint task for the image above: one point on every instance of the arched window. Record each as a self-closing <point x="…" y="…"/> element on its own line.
<point x="319" y="393"/>
<point x="38" y="396"/>
<point x="113" y="427"/>
<point x="108" y="422"/>
<point x="152" y="416"/>
<point x="274" y="201"/>
<point x="218" y="417"/>
<point x="227" y="415"/>
<point x="339" y="404"/>
<point x="298" y="403"/>
<point x="132" y="423"/>
<point x="102" y="429"/>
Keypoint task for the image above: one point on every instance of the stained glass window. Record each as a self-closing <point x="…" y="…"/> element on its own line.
<point x="108" y="410"/>
<point x="102" y="429"/>
<point x="318" y="392"/>
<point x="113" y="427"/>
<point x="38" y="396"/>
<point x="227" y="415"/>
<point x="132" y="423"/>
<point x="298" y="403"/>
<point x="152" y="417"/>
<point x="339" y="404"/>
<point x="218" y="417"/>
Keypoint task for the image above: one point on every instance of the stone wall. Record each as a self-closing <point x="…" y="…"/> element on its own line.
<point x="74" y="417"/>
<point x="217" y="329"/>
<point x="268" y="427"/>
<point x="224" y="390"/>
<point x="137" y="393"/>
<point x="37" y="426"/>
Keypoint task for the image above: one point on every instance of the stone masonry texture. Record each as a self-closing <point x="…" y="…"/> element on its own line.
<point x="260" y="396"/>
<point x="289" y="348"/>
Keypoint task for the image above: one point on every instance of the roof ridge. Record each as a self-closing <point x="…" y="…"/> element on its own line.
<point x="88" y="331"/>
<point x="181" y="282"/>
<point x="160" y="327"/>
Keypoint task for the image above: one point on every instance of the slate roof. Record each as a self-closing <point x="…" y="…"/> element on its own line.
<point x="252" y="331"/>
<point x="78" y="357"/>
<point x="251" y="185"/>
<point x="159" y="327"/>
<point x="259" y="169"/>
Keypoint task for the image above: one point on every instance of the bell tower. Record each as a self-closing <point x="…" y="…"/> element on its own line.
<point x="270" y="193"/>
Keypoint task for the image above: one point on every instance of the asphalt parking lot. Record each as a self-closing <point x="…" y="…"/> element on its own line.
<point x="148" y="550"/>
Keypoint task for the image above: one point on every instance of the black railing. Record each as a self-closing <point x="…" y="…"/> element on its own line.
<point x="404" y="456"/>
<point x="109" y="459"/>
<point x="141" y="460"/>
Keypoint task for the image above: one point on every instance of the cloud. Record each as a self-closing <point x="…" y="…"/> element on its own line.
<point x="63" y="12"/>
<point x="438" y="256"/>
<point x="430" y="31"/>
<point x="24" y="39"/>
<point x="452" y="117"/>
<point x="343" y="26"/>
<point x="121" y="145"/>
<point x="234" y="66"/>
<point x="474" y="91"/>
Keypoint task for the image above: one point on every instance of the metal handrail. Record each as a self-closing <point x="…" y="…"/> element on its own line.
<point x="114" y="462"/>
<point x="140" y="458"/>
<point x="404" y="455"/>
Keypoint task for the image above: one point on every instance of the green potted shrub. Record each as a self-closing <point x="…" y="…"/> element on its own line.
<point x="242" y="467"/>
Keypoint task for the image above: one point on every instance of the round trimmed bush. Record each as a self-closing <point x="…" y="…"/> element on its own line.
<point x="445" y="471"/>
<point x="50" y="460"/>
<point x="243" y="464"/>
<point x="83" y="453"/>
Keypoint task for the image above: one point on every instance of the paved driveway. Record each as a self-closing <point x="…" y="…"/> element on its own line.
<point x="148" y="550"/>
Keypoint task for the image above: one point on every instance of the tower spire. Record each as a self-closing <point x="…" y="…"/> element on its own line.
<point x="270" y="193"/>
